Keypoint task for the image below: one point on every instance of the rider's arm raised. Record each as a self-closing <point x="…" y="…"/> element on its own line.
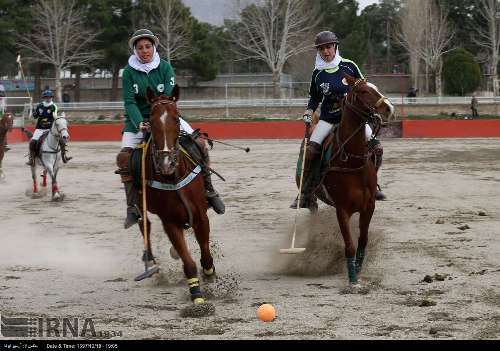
<point x="129" y="101"/>
<point x="35" y="112"/>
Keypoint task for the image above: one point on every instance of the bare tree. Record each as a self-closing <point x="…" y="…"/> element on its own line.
<point x="410" y="34"/>
<point x="489" y="38"/>
<point x="59" y="37"/>
<point x="437" y="37"/>
<point x="174" y="28"/>
<point x="273" y="31"/>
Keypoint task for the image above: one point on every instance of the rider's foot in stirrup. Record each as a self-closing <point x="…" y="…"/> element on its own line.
<point x="312" y="204"/>
<point x="133" y="217"/>
<point x="215" y="202"/>
<point x="379" y="195"/>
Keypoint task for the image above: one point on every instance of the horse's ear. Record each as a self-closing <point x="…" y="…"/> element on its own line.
<point x="150" y="94"/>
<point x="175" y="93"/>
<point x="350" y="79"/>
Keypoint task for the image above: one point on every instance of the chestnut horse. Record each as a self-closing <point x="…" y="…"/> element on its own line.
<point x="175" y="190"/>
<point x="350" y="182"/>
<point x="5" y="125"/>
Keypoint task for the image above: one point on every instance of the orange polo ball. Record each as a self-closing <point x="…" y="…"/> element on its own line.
<point x="266" y="312"/>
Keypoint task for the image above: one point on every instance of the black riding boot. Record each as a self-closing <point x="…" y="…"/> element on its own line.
<point x="133" y="214"/>
<point x="378" y="152"/>
<point x="213" y="197"/>
<point x="32" y="152"/>
<point x="311" y="177"/>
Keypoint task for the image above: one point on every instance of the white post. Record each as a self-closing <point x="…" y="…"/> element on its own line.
<point x="227" y="104"/>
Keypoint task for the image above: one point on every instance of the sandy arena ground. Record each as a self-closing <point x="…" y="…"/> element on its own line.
<point x="74" y="259"/>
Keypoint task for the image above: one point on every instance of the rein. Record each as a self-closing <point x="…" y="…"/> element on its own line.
<point x="57" y="137"/>
<point x="365" y="116"/>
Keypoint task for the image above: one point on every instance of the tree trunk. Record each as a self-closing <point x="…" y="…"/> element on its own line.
<point x="414" y="68"/>
<point x="276" y="85"/>
<point x="58" y="84"/>
<point x="494" y="73"/>
<point x="78" y="74"/>
<point x="114" y="84"/>
<point x="438" y="81"/>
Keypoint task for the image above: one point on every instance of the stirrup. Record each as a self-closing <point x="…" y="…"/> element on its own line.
<point x="379" y="195"/>
<point x="132" y="218"/>
<point x="216" y="203"/>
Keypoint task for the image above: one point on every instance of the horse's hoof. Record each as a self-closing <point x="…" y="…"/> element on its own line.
<point x="199" y="300"/>
<point x="209" y="272"/>
<point x="174" y="254"/>
<point x="57" y="197"/>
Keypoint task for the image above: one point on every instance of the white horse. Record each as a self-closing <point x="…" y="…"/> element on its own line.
<point x="50" y="156"/>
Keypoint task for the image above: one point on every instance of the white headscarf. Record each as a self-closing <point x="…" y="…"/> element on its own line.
<point x="135" y="62"/>
<point x="322" y="64"/>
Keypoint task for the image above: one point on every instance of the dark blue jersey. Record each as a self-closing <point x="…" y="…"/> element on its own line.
<point x="329" y="87"/>
<point x="45" y="115"/>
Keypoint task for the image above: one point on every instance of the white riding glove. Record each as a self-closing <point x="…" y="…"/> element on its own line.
<point x="307" y="117"/>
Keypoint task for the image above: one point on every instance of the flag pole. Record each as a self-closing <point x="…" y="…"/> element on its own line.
<point x="22" y="74"/>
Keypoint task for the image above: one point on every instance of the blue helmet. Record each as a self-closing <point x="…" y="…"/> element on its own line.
<point x="47" y="93"/>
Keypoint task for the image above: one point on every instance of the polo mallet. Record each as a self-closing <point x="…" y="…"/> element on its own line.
<point x="293" y="249"/>
<point x="18" y="60"/>
<point x="148" y="272"/>
<point x="246" y="149"/>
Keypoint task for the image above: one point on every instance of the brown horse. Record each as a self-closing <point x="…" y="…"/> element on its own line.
<point x="175" y="190"/>
<point x="5" y="125"/>
<point x="350" y="182"/>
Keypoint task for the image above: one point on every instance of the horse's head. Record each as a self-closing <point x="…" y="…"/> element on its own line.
<point x="165" y="128"/>
<point x="367" y="101"/>
<point x="7" y="121"/>
<point x="60" y="128"/>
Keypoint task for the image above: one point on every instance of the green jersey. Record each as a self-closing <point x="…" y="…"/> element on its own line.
<point x="135" y="83"/>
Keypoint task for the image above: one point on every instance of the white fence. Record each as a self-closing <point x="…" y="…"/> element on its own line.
<point x="235" y="103"/>
<point x="20" y="107"/>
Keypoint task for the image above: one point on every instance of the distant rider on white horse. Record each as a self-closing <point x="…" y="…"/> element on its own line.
<point x="45" y="113"/>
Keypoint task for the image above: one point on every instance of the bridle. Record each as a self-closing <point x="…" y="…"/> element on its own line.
<point x="59" y="131"/>
<point x="172" y="154"/>
<point x="368" y="114"/>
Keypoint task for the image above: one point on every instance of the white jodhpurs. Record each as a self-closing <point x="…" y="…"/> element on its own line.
<point x="131" y="140"/>
<point x="38" y="133"/>
<point x="323" y="129"/>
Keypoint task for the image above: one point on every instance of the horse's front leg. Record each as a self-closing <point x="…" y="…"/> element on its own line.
<point x="56" y="194"/>
<point x="44" y="178"/>
<point x="202" y="233"/>
<point x="33" y="177"/>
<point x="343" y="218"/>
<point x="2" y="176"/>
<point x="176" y="236"/>
<point x="365" y="218"/>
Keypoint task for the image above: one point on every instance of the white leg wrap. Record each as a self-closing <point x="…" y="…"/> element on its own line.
<point x="321" y="132"/>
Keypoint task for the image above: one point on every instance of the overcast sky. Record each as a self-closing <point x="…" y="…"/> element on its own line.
<point x="214" y="11"/>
